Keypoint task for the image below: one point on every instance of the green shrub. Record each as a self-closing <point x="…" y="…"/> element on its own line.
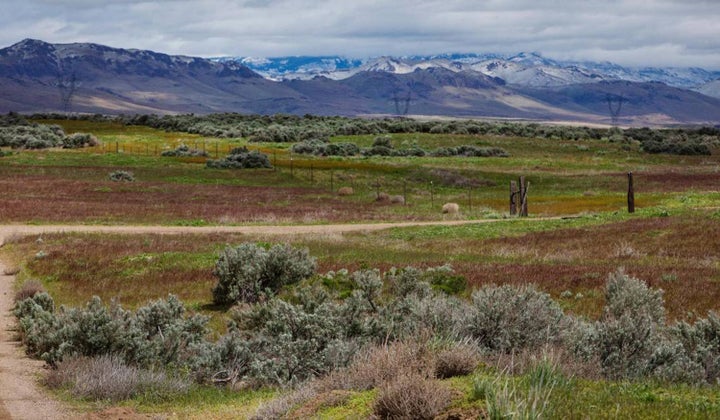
<point x="241" y="158"/>
<point x="156" y="335"/>
<point x="630" y="327"/>
<point x="79" y="140"/>
<point x="184" y="151"/>
<point x="248" y="271"/>
<point x="121" y="176"/>
<point x="509" y="318"/>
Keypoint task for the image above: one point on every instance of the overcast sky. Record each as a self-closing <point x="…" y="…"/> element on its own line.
<point x="629" y="32"/>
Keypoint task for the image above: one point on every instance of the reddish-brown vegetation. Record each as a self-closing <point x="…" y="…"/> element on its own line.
<point x="51" y="198"/>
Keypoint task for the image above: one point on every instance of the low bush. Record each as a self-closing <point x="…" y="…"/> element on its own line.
<point x="79" y="140"/>
<point x="470" y="151"/>
<point x="241" y="158"/>
<point x="158" y="334"/>
<point x="248" y="271"/>
<point x="184" y="151"/>
<point x="109" y="378"/>
<point x="630" y="327"/>
<point x="323" y="148"/>
<point x="457" y="359"/>
<point x="31" y="136"/>
<point x="509" y="318"/>
<point x="411" y="397"/>
<point x="121" y="176"/>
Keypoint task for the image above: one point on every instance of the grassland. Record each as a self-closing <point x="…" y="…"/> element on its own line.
<point x="672" y="242"/>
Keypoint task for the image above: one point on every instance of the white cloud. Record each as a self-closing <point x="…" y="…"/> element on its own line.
<point x="658" y="32"/>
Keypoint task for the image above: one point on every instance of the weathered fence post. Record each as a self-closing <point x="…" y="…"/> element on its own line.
<point x="117" y="147"/>
<point x="513" y="198"/>
<point x="432" y="195"/>
<point x="523" y="197"/>
<point x="404" y="192"/>
<point x="630" y="194"/>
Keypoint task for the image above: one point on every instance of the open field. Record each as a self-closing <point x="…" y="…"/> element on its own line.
<point x="671" y="243"/>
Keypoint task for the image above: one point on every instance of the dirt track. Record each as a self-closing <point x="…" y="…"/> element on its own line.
<point x="21" y="398"/>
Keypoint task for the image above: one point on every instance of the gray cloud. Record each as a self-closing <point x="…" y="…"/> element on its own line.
<point x="633" y="32"/>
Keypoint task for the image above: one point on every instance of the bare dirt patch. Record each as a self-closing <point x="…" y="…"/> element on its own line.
<point x="21" y="397"/>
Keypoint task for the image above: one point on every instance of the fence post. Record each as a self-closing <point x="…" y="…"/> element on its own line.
<point x="630" y="194"/>
<point x="117" y="147"/>
<point x="469" y="198"/>
<point x="432" y="195"/>
<point x="513" y="198"/>
<point x="523" y="196"/>
<point x="405" y="192"/>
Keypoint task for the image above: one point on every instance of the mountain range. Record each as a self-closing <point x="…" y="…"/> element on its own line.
<point x="524" y="69"/>
<point x="37" y="76"/>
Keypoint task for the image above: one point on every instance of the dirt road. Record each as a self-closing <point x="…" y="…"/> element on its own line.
<point x="20" y="396"/>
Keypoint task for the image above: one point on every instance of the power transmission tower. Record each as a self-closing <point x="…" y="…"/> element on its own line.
<point x="67" y="85"/>
<point x="402" y="105"/>
<point x="615" y="103"/>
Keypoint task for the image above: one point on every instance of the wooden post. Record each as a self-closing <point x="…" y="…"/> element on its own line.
<point x="117" y="147"/>
<point x="630" y="194"/>
<point x="513" y="198"/>
<point x="405" y="192"/>
<point x="523" y="197"/>
<point x="432" y="195"/>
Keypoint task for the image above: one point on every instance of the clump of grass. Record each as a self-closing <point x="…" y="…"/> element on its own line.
<point x="457" y="360"/>
<point x="108" y="377"/>
<point x="411" y="396"/>
<point x="29" y="289"/>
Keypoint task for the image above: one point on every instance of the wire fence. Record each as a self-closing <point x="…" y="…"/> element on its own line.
<point x="350" y="177"/>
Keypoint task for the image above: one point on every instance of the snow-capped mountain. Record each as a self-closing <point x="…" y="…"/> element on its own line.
<point x="523" y="69"/>
<point x="710" y="89"/>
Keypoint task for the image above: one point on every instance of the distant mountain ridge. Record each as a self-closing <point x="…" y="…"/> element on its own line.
<point x="36" y="76"/>
<point x="524" y="69"/>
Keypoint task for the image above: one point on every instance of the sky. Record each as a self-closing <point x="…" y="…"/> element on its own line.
<point x="628" y="32"/>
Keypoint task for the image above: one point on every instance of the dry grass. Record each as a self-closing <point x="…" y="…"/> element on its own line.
<point x="411" y="396"/>
<point x="379" y="364"/>
<point x="457" y="360"/>
<point x="109" y="378"/>
<point x="29" y="289"/>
